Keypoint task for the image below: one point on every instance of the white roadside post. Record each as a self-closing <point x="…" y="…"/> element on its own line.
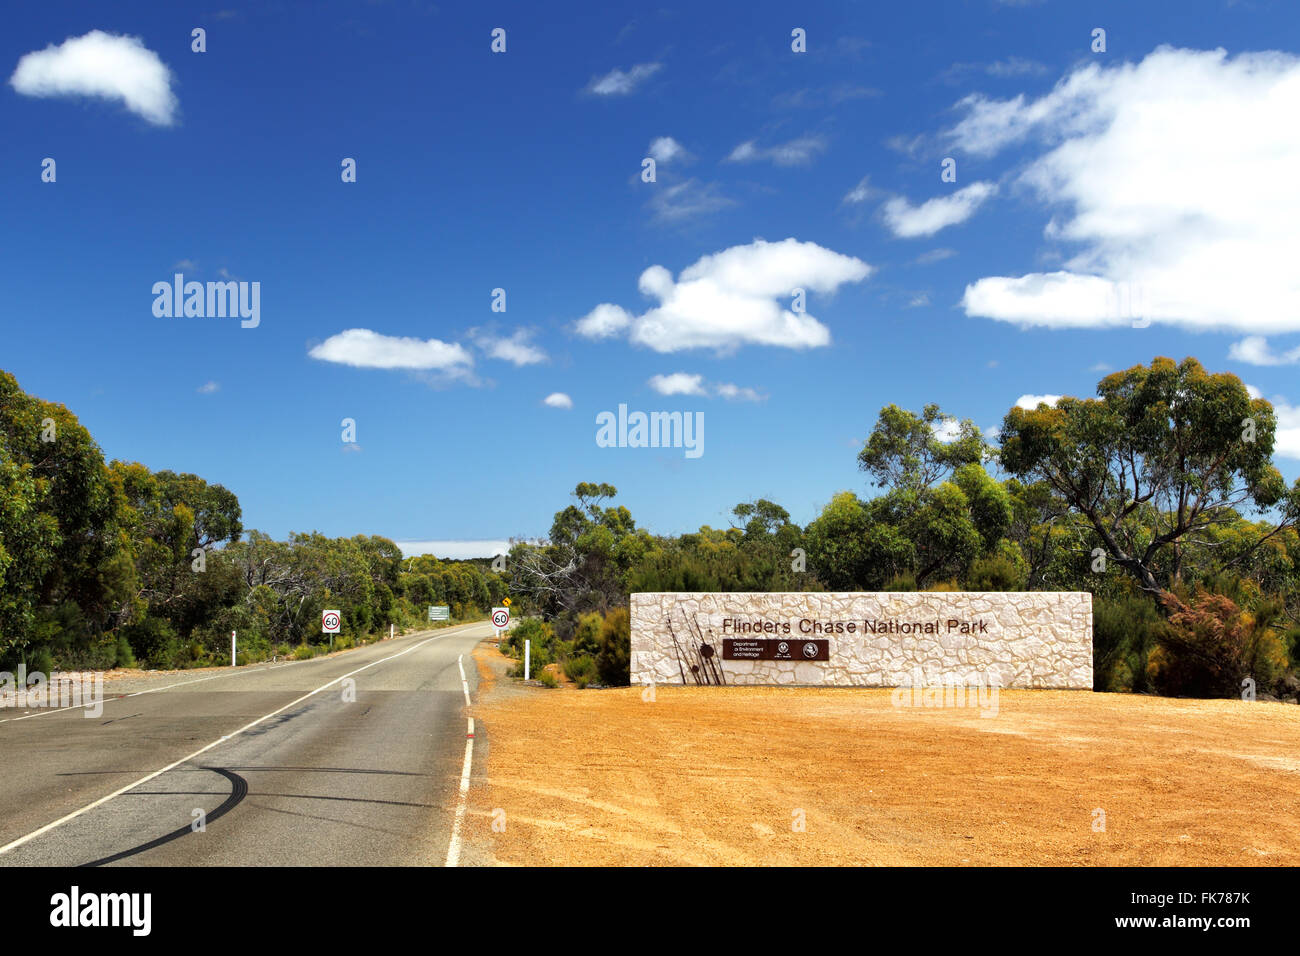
<point x="528" y="648"/>
<point x="232" y="648"/>
<point x="390" y="632"/>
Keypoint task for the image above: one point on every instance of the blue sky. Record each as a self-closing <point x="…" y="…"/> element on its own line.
<point x="1162" y="177"/>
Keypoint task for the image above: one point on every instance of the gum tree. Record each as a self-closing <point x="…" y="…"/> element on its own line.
<point x="1165" y="454"/>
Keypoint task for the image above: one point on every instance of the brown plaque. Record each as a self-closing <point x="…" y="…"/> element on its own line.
<point x="775" y="649"/>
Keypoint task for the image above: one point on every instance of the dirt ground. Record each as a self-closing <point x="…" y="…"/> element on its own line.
<point x="725" y="776"/>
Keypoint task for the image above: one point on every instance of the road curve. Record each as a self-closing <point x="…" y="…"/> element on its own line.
<point x="353" y="760"/>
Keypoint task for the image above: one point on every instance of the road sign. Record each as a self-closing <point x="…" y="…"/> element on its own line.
<point x="500" y="617"/>
<point x="505" y="601"/>
<point x="439" y="612"/>
<point x="329" y="622"/>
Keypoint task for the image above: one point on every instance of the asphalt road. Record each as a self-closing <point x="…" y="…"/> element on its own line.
<point x="324" y="781"/>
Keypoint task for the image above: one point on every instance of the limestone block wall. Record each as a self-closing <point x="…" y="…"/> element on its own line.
<point x="1006" y="639"/>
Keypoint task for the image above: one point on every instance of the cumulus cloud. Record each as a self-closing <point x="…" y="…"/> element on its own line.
<point x="739" y="296"/>
<point x="517" y="349"/>
<point x="1254" y="349"/>
<point x="603" y="322"/>
<point x="1169" y="177"/>
<point x="363" y="348"/>
<point x="1030" y="402"/>
<point x="558" y="400"/>
<point x="678" y="383"/>
<point x="619" y="82"/>
<point x="1287" y="438"/>
<point x="797" y="152"/>
<point x="665" y="149"/>
<point x="910" y="222"/>
<point x="104" y="65"/>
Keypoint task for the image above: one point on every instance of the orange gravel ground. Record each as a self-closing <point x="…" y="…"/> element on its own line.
<point x="714" y="776"/>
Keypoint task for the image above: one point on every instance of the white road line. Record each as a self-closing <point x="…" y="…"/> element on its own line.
<point x="453" y="846"/>
<point x="171" y="766"/>
<point x="464" y="684"/>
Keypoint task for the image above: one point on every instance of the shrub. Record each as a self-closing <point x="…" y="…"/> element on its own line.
<point x="943" y="586"/>
<point x="586" y="636"/>
<point x="613" y="658"/>
<point x="1211" y="646"/>
<point x="1125" y="629"/>
<point x="304" y="652"/>
<point x="995" y="572"/>
<point x="547" y="679"/>
<point x="580" y="670"/>
<point x="123" y="656"/>
<point x="901" y="582"/>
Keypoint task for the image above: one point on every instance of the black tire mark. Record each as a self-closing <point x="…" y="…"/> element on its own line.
<point x="238" y="790"/>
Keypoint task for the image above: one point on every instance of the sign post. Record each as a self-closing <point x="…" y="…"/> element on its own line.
<point x="330" y="622"/>
<point x="439" y="612"/>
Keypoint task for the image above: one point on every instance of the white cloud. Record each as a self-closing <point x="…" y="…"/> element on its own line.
<point x="739" y="296"/>
<point x="1171" y="178"/>
<point x="909" y="222"/>
<point x="558" y="400"/>
<point x="1031" y="402"/>
<point x="362" y="348"/>
<point x="797" y="152"/>
<point x="1253" y="392"/>
<point x="1287" y="437"/>
<point x="918" y="300"/>
<point x="678" y="383"/>
<point x="860" y="193"/>
<point x="947" y="430"/>
<point x="934" y="255"/>
<point x="105" y="65"/>
<point x="686" y="201"/>
<point x="455" y="550"/>
<point x="665" y="149"/>
<point x="619" y="83"/>
<point x="1015" y="66"/>
<point x="603" y="322"/>
<point x="1254" y="350"/>
<point x="208" y="388"/>
<point x="737" y="393"/>
<point x="515" y="349"/>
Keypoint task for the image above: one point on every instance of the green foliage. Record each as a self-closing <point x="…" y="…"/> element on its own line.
<point x="901" y="582"/>
<point x="905" y="453"/>
<point x="613" y="658"/>
<point x="547" y="679"/>
<point x="1125" y="630"/>
<point x="995" y="572"/>
<point x="581" y="670"/>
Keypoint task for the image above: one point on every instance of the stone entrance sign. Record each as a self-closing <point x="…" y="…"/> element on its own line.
<point x="1000" y="638"/>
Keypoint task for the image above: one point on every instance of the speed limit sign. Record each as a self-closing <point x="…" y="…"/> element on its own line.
<point x="329" y="622"/>
<point x="500" y="617"/>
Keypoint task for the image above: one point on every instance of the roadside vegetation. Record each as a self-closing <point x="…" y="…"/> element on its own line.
<point x="111" y="564"/>
<point x="1159" y="497"/>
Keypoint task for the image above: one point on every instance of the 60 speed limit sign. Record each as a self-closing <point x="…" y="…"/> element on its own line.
<point x="500" y="617"/>
<point x="329" y="622"/>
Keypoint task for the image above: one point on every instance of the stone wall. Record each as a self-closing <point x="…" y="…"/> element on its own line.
<point x="1004" y="639"/>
